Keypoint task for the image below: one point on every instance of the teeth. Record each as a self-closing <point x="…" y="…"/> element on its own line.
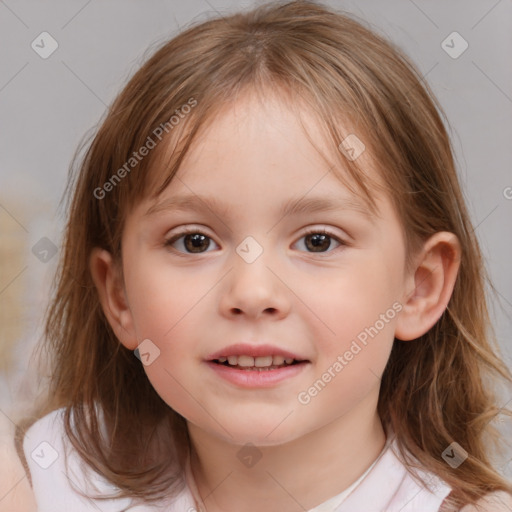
<point x="258" y="362"/>
<point x="263" y="361"/>
<point x="245" y="361"/>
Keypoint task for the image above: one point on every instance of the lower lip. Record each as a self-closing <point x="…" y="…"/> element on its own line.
<point x="256" y="378"/>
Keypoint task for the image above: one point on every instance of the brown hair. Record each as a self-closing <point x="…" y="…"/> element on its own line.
<point x="434" y="391"/>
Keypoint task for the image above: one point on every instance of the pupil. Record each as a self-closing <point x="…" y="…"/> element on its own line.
<point x="196" y="240"/>
<point x="317" y="239"/>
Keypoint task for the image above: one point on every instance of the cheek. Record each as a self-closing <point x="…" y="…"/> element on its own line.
<point x="162" y="298"/>
<point x="352" y="300"/>
<point x="174" y="372"/>
<point x="355" y="337"/>
<point x="174" y="389"/>
<point x="165" y="320"/>
<point x="349" y="368"/>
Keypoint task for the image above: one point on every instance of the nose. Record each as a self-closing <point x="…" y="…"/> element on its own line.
<point x="255" y="290"/>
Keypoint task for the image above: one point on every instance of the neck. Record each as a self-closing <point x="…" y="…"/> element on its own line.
<point x="294" y="476"/>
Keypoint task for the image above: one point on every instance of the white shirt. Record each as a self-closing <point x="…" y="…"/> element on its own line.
<point x="331" y="504"/>
<point x="56" y="468"/>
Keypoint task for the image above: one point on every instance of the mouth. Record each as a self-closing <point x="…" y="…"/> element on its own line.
<point x="252" y="366"/>
<point x="259" y="363"/>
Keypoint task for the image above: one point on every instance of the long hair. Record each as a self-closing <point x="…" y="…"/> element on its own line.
<point x="435" y="390"/>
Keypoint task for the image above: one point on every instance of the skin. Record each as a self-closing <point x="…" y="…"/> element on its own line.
<point x="254" y="158"/>
<point x="16" y="494"/>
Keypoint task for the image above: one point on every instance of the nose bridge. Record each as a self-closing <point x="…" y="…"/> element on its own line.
<point x="253" y="287"/>
<point x="250" y="266"/>
<point x="250" y="250"/>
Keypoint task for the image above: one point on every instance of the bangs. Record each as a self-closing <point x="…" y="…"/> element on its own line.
<point x="347" y="156"/>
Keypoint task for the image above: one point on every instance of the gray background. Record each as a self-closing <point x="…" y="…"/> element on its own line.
<point x="47" y="105"/>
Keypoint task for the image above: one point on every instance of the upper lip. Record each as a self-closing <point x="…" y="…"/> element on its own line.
<point x="245" y="349"/>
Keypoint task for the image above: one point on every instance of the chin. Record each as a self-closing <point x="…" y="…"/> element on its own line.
<point x="260" y="435"/>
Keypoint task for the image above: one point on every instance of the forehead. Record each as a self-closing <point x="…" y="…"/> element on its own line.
<point x="261" y="147"/>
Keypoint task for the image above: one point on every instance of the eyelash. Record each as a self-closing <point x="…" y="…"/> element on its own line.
<point x="311" y="231"/>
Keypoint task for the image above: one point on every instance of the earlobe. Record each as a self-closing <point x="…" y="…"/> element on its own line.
<point x="431" y="286"/>
<point x="106" y="277"/>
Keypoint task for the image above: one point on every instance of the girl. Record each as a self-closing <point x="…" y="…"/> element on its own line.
<point x="270" y="296"/>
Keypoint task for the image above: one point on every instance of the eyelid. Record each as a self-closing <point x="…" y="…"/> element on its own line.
<point x="325" y="231"/>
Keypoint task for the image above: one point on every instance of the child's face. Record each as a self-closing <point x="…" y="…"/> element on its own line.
<point x="312" y="304"/>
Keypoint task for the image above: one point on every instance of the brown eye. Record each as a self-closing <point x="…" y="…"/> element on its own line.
<point x="320" y="241"/>
<point x="196" y="242"/>
<point x="193" y="242"/>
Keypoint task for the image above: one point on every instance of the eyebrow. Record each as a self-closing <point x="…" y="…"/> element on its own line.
<point x="302" y="205"/>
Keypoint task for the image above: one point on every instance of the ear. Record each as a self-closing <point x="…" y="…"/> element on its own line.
<point x="107" y="278"/>
<point x="429" y="285"/>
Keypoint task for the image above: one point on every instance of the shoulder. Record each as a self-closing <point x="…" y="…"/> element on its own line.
<point x="43" y="440"/>
<point x="62" y="481"/>
<point x="59" y="476"/>
<point x="499" y="501"/>
<point x="50" y="421"/>
<point x="14" y="484"/>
